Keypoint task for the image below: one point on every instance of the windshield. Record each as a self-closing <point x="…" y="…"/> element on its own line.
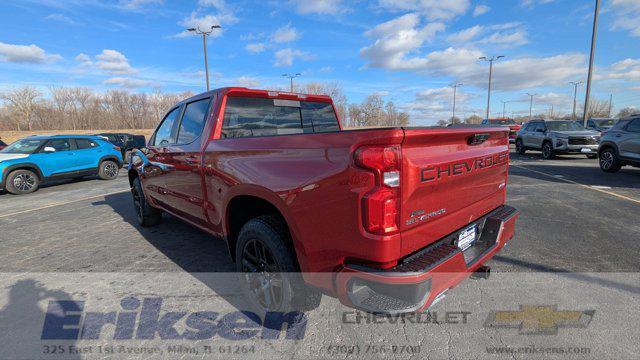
<point x="25" y="146"/>
<point x="502" y="122"/>
<point x="605" y="122"/>
<point x="564" y="126"/>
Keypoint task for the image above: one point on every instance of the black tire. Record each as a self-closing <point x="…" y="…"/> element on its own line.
<point x="108" y="170"/>
<point x="21" y="182"/>
<point x="592" y="156"/>
<point x="609" y="161"/>
<point x="147" y="215"/>
<point x="520" y="148"/>
<point x="277" y="269"/>
<point x="547" y="151"/>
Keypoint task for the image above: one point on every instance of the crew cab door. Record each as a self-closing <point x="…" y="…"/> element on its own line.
<point x="183" y="183"/>
<point x="160" y="162"/>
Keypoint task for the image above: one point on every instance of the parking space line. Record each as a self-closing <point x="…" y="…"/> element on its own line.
<point x="61" y="203"/>
<point x="577" y="183"/>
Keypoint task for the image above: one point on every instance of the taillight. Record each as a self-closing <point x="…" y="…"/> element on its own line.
<point x="380" y="205"/>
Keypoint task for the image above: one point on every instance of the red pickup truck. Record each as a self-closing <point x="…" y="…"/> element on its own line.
<point x="385" y="219"/>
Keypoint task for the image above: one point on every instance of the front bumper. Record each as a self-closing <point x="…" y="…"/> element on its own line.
<point x="575" y="149"/>
<point x="421" y="279"/>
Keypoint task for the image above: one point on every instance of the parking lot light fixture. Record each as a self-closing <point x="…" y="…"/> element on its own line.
<point x="291" y="77"/>
<point x="490" y="60"/>
<point x="455" y="88"/>
<point x="531" y="104"/>
<point x="575" y="95"/>
<point x="591" y="58"/>
<point x="204" y="34"/>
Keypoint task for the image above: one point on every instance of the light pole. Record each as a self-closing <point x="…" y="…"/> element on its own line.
<point x="531" y="104"/>
<point x="204" y="42"/>
<point x="291" y="77"/>
<point x="455" y="88"/>
<point x="591" y="56"/>
<point x="575" y="95"/>
<point x="504" y="106"/>
<point x="490" y="60"/>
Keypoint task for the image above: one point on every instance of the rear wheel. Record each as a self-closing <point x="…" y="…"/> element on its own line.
<point x="146" y="214"/>
<point x="547" y="151"/>
<point x="20" y="182"/>
<point x="609" y="161"/>
<point x="108" y="170"/>
<point x="520" y="149"/>
<point x="268" y="271"/>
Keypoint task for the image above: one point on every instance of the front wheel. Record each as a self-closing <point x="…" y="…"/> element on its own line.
<point x="609" y="161"/>
<point x="520" y="149"/>
<point x="547" y="151"/>
<point x="21" y="182"/>
<point x="268" y="271"/>
<point x="108" y="170"/>
<point x="147" y="215"/>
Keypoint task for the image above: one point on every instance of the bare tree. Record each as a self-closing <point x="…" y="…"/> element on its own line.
<point x="22" y="103"/>
<point x="473" y="119"/>
<point x="626" y="112"/>
<point x="373" y="111"/>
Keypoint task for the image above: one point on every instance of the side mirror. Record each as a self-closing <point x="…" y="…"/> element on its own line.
<point x="49" y="149"/>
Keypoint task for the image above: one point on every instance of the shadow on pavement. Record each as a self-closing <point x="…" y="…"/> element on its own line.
<point x="200" y="254"/>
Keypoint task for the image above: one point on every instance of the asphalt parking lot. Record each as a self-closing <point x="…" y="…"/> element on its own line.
<point x="575" y="248"/>
<point x="573" y="218"/>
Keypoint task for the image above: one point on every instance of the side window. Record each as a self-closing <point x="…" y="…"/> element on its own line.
<point x="164" y="135"/>
<point x="540" y="127"/>
<point x="59" y="144"/>
<point x="634" y="126"/>
<point x="195" y="115"/>
<point x="485" y="122"/>
<point x="82" y="144"/>
<point x="590" y="123"/>
<point x="320" y="116"/>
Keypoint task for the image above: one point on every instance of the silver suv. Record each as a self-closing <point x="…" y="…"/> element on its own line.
<point x="620" y="146"/>
<point x="554" y="137"/>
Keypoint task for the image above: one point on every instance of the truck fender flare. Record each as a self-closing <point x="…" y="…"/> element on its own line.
<point x="277" y="202"/>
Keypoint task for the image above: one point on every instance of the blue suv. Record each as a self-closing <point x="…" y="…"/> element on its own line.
<point x="26" y="163"/>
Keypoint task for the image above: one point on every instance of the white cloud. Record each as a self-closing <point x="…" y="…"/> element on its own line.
<point x="330" y="7"/>
<point x="247" y="81"/>
<point x="136" y="4"/>
<point x="128" y="83"/>
<point x="532" y="3"/>
<point x="431" y="9"/>
<point x="480" y="10"/>
<point x="466" y="35"/>
<point x="626" y="14"/>
<point x="197" y="19"/>
<point x="437" y="103"/>
<point x="61" y="18"/>
<point x="113" y="62"/>
<point x="395" y="39"/>
<point x="255" y="48"/>
<point x="83" y="58"/>
<point x="510" y="35"/>
<point x="626" y="70"/>
<point x="626" y="64"/>
<point x="285" y="34"/>
<point x="285" y="57"/>
<point x="25" y="54"/>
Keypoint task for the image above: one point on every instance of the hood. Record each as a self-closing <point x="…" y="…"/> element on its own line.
<point x="577" y="133"/>
<point x="9" y="156"/>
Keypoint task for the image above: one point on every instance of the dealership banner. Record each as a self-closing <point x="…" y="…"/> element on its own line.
<point x="207" y="315"/>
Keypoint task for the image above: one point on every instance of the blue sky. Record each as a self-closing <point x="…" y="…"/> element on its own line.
<point x="409" y="51"/>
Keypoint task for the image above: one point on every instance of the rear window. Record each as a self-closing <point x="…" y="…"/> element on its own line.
<point x="85" y="144"/>
<point x="253" y="117"/>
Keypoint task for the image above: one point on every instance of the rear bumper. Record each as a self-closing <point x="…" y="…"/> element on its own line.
<point x="422" y="278"/>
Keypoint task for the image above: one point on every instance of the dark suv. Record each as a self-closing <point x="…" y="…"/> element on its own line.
<point x="126" y="142"/>
<point x="620" y="146"/>
<point x="554" y="137"/>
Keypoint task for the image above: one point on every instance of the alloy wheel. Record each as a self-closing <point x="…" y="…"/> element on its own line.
<point x="606" y="160"/>
<point x="110" y="169"/>
<point x="262" y="274"/>
<point x="24" y="182"/>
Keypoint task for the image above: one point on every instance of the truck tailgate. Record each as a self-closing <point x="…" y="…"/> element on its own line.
<point x="450" y="177"/>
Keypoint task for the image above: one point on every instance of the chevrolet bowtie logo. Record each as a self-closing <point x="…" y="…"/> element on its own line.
<point x="543" y="320"/>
